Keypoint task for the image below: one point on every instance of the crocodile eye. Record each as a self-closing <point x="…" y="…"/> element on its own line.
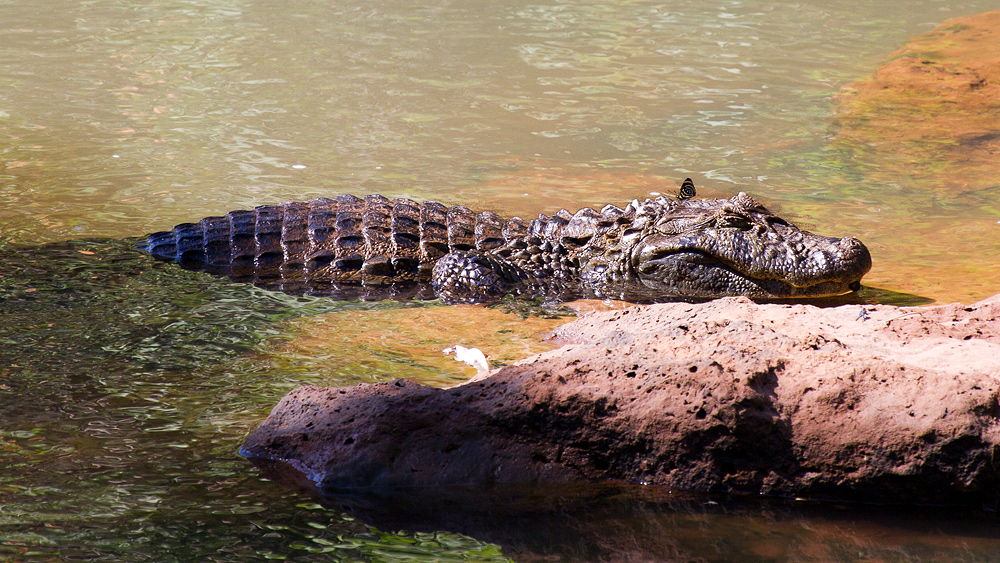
<point x="734" y="222"/>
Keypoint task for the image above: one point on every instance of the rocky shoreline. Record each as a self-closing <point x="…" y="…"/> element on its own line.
<point x="871" y="403"/>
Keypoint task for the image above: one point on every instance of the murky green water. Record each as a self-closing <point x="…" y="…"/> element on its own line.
<point x="126" y="386"/>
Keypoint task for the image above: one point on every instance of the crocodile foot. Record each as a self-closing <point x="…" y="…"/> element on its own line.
<point x="475" y="277"/>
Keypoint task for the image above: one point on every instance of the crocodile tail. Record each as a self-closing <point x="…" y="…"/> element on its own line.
<point x="371" y="240"/>
<point x="240" y="243"/>
<point x="183" y="243"/>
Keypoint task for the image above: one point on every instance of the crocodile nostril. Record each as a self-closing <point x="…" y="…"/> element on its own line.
<point x="851" y="243"/>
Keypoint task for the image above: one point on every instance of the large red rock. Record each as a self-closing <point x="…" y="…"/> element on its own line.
<point x="874" y="403"/>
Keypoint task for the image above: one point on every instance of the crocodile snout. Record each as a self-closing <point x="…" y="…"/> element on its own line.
<point x="855" y="258"/>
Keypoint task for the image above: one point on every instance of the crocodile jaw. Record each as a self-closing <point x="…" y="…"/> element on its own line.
<point x="807" y="266"/>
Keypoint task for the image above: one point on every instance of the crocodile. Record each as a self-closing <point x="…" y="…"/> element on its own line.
<point x="654" y="250"/>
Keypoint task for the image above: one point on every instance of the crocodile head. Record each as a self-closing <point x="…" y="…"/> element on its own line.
<point x="715" y="248"/>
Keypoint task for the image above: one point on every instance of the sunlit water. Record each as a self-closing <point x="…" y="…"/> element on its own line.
<point x="126" y="386"/>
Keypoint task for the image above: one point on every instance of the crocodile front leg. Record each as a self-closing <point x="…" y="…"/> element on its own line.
<point x="475" y="277"/>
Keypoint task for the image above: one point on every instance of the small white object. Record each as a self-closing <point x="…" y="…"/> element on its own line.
<point x="298" y="166"/>
<point x="472" y="356"/>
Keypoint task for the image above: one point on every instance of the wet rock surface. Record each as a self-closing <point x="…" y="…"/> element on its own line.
<point x="874" y="403"/>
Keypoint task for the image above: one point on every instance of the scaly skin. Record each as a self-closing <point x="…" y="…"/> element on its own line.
<point x="655" y="250"/>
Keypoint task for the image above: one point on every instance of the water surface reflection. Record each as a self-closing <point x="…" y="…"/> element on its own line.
<point x="617" y="522"/>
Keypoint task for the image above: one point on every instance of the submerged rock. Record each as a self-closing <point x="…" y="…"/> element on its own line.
<point x="874" y="403"/>
<point x="933" y="108"/>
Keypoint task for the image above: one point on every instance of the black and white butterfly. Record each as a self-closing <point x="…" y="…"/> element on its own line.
<point x="687" y="190"/>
